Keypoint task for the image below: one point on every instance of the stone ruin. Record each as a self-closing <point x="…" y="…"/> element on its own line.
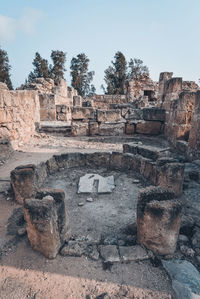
<point x="169" y="109"/>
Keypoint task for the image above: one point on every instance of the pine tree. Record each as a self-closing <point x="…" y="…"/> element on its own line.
<point x="138" y="71"/>
<point x="41" y="68"/>
<point x="58" y="68"/>
<point x="115" y="75"/>
<point x="81" y="77"/>
<point x="5" y="69"/>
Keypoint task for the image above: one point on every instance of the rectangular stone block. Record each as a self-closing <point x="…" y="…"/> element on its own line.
<point x="130" y="128"/>
<point x="148" y="127"/>
<point x="110" y="116"/>
<point x="79" y="128"/>
<point x="153" y="114"/>
<point x="111" y="129"/>
<point x="93" y="128"/>
<point x="23" y="182"/>
<point x="79" y="113"/>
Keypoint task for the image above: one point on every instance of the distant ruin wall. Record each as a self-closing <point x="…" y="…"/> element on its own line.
<point x="19" y="112"/>
<point x="181" y="101"/>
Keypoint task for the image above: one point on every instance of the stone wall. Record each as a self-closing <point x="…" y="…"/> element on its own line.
<point x="194" y="137"/>
<point x="114" y="122"/>
<point x="180" y="99"/>
<point x="138" y="88"/>
<point x="52" y="95"/>
<point x="19" y="112"/>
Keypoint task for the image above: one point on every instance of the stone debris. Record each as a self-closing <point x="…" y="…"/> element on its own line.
<point x="109" y="253"/>
<point x="89" y="199"/>
<point x="95" y="183"/>
<point x="133" y="253"/>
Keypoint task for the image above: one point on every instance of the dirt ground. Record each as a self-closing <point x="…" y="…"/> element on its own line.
<point x="25" y="273"/>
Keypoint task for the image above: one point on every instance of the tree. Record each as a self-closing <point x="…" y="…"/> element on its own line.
<point x="81" y="77"/>
<point x="41" y="68"/>
<point x="138" y="71"/>
<point x="5" y="69"/>
<point x="116" y="75"/>
<point x="58" y="68"/>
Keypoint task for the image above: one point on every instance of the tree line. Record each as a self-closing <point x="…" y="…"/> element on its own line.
<point x="115" y="76"/>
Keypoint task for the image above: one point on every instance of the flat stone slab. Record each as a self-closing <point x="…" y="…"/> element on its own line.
<point x="95" y="183"/>
<point x="133" y="253"/>
<point x="109" y="253"/>
<point x="185" y="278"/>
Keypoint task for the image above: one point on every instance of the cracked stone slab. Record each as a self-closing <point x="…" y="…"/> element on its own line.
<point x="109" y="253"/>
<point x="133" y="253"/>
<point x="95" y="183"/>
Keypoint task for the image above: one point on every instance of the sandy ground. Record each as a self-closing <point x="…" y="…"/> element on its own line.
<point x="25" y="273"/>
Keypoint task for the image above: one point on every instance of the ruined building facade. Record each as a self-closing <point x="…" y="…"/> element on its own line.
<point x="170" y="107"/>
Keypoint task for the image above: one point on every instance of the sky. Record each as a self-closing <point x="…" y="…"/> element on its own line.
<point x="165" y="34"/>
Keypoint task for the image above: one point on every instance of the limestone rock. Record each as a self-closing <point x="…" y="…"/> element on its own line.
<point x="47" y="221"/>
<point x="158" y="220"/>
<point x="133" y="253"/>
<point x="109" y="253"/>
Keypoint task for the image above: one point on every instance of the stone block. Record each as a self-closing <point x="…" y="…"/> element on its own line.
<point x="61" y="208"/>
<point x="158" y="220"/>
<point x="110" y="116"/>
<point x="109" y="253"/>
<point x="129" y="128"/>
<point x="98" y="159"/>
<point x="116" y="160"/>
<point x="111" y="129"/>
<point x="23" y="182"/>
<point x="47" y="221"/>
<point x="154" y="114"/>
<point x="79" y="128"/>
<point x="133" y="253"/>
<point x="171" y="176"/>
<point x="148" y="127"/>
<point x="77" y="101"/>
<point x="79" y="113"/>
<point x="93" y="128"/>
<point x="69" y="160"/>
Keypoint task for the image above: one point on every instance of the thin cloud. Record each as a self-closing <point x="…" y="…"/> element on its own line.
<point x="26" y="24"/>
<point x="8" y="28"/>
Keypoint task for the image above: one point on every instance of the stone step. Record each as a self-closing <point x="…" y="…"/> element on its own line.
<point x="147" y="151"/>
<point x="55" y="128"/>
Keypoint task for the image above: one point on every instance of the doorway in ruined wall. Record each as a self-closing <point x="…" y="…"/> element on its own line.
<point x="150" y="94"/>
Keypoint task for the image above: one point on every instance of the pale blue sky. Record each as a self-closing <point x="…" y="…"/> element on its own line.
<point x="165" y="34"/>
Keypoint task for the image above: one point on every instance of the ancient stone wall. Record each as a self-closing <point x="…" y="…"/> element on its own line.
<point x="180" y="101"/>
<point x="52" y="95"/>
<point x="19" y="113"/>
<point x="194" y="137"/>
<point x="138" y="88"/>
<point x="114" y="122"/>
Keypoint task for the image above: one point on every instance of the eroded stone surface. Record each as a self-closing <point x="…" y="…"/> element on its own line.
<point x="94" y="183"/>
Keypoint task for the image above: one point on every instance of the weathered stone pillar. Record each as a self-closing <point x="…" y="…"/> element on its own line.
<point x="158" y="220"/>
<point x="164" y="76"/>
<point x="23" y="182"/>
<point x="47" y="221"/>
<point x="194" y="136"/>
